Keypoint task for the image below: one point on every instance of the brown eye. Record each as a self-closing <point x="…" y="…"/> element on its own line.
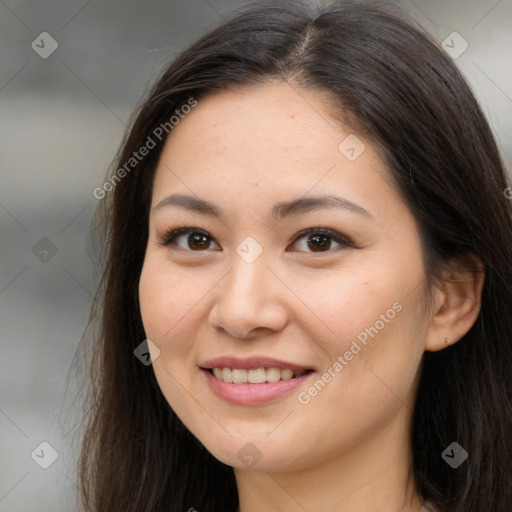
<point x="198" y="241"/>
<point x="313" y="240"/>
<point x="320" y="240"/>
<point x="188" y="239"/>
<point x="319" y="243"/>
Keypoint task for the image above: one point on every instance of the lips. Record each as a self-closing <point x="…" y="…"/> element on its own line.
<point x="253" y="381"/>
<point x="255" y="376"/>
<point x="251" y="363"/>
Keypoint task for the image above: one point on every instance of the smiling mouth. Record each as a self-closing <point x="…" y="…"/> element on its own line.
<point x="256" y="375"/>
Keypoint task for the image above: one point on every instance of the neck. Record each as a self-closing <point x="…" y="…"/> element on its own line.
<point x="373" y="476"/>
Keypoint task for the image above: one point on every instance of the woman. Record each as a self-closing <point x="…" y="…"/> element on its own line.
<point x="308" y="239"/>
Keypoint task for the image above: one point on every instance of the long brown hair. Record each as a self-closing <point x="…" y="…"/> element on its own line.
<point x="403" y="92"/>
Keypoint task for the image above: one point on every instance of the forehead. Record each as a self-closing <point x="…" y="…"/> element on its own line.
<point x="277" y="114"/>
<point x="267" y="143"/>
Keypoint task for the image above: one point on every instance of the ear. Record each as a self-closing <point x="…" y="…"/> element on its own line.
<point x="457" y="302"/>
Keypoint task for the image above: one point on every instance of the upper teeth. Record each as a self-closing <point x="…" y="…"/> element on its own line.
<point x="256" y="376"/>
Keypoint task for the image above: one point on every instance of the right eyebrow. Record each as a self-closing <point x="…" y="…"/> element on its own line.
<point x="278" y="211"/>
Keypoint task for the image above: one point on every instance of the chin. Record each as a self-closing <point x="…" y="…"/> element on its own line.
<point x="257" y="454"/>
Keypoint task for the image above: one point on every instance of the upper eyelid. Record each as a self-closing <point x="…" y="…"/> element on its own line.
<point x="172" y="234"/>
<point x="326" y="231"/>
<point x="338" y="237"/>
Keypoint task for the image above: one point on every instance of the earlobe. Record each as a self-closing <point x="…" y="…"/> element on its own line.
<point x="457" y="304"/>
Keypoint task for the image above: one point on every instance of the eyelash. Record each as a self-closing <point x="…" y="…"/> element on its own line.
<point x="169" y="237"/>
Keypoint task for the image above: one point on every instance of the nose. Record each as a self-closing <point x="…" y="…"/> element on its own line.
<point x="249" y="301"/>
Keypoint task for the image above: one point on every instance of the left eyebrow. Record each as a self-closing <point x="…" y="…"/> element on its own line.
<point x="278" y="211"/>
<point x="306" y="204"/>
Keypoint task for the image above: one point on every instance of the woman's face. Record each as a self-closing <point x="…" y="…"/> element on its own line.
<point x="248" y="172"/>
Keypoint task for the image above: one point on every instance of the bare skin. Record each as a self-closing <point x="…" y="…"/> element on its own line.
<point x="346" y="447"/>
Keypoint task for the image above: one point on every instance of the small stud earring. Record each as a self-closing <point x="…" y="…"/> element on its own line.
<point x="447" y="341"/>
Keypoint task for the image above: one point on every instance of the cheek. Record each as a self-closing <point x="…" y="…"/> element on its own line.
<point x="355" y="302"/>
<point x="156" y="305"/>
<point x="368" y="330"/>
<point x="167" y="308"/>
<point x="166" y="304"/>
<point x="330" y="311"/>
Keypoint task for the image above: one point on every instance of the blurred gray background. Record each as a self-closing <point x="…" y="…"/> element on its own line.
<point x="71" y="72"/>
